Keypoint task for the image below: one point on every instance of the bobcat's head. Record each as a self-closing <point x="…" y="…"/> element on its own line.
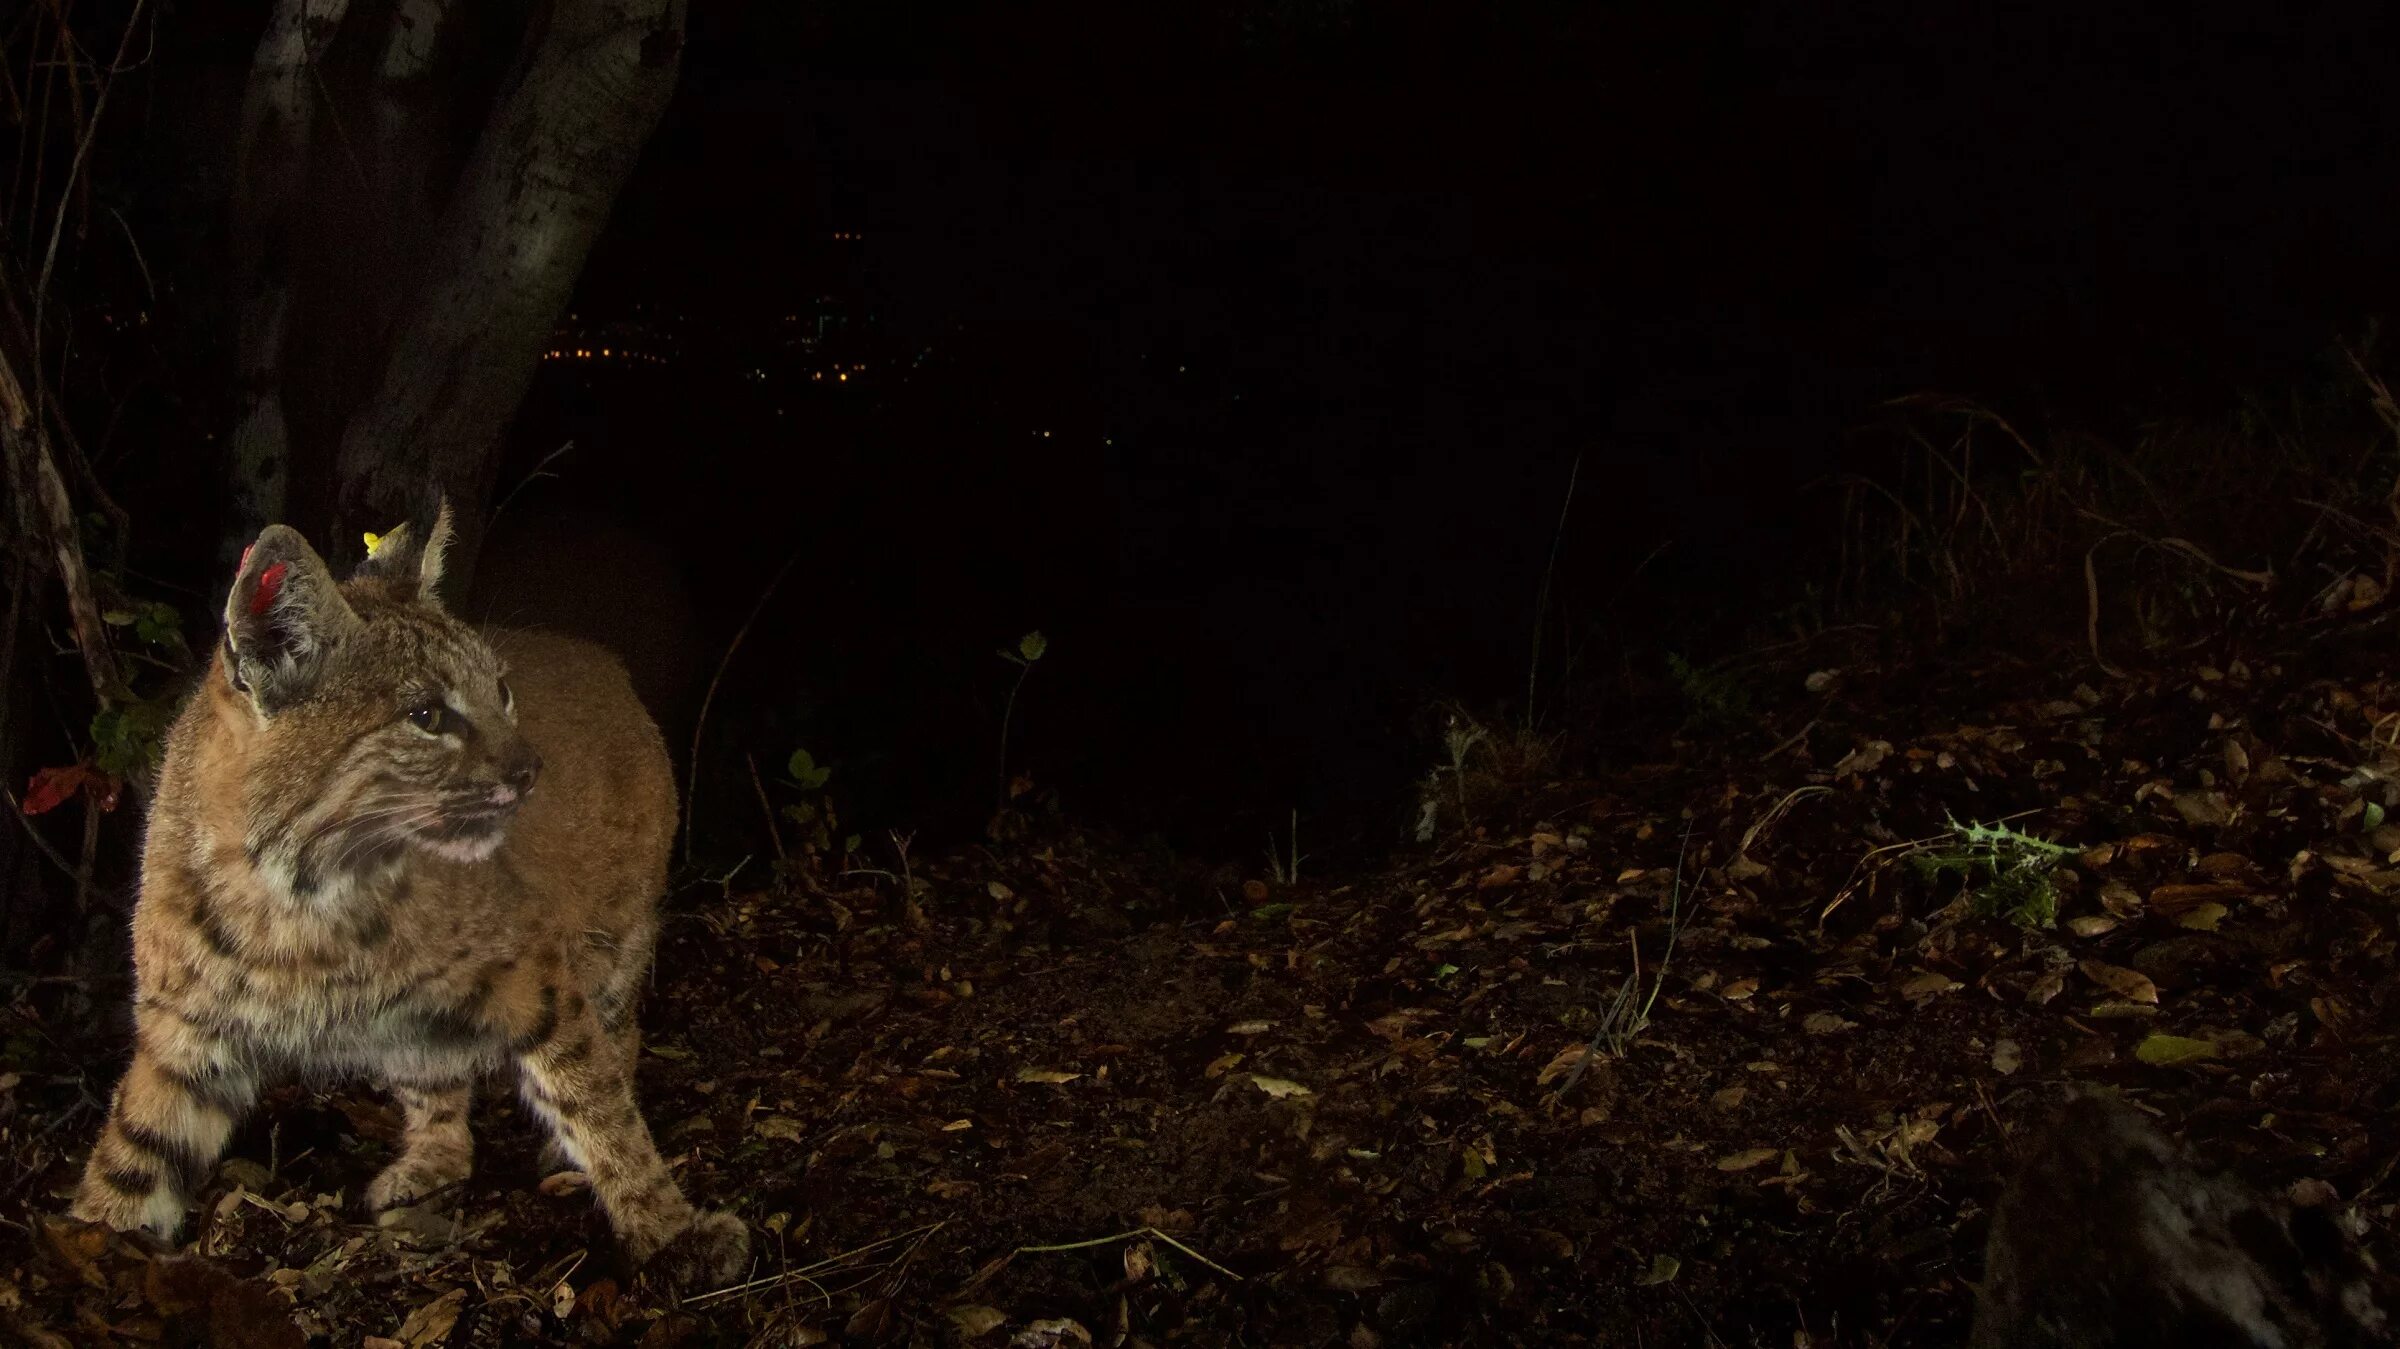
<point x="377" y="722"/>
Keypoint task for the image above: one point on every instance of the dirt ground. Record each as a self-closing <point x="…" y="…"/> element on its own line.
<point x="1065" y="1091"/>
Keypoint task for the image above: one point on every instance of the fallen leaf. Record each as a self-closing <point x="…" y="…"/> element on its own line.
<point x="1278" y="1087"/>
<point x="1663" y="1269"/>
<point x="2007" y="1057"/>
<point x="1051" y="1075"/>
<point x="2047" y="987"/>
<point x="1748" y="1158"/>
<point x="2165" y="1051"/>
<point x="559" y="1184"/>
<point x="1928" y="984"/>
<point x="1350" y="1278"/>
<point x="872" y="1320"/>
<point x="1865" y="759"/>
<point x="2203" y="918"/>
<point x="1250" y="1028"/>
<point x="2210" y="808"/>
<point x="1825" y="1023"/>
<point x="432" y="1322"/>
<point x="2131" y="985"/>
<point x="1047" y="1334"/>
<point x="1560" y="1065"/>
<point x="976" y="1320"/>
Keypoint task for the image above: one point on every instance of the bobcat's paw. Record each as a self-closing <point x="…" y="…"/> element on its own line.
<point x="122" y="1204"/>
<point x="414" y="1177"/>
<point x="711" y="1253"/>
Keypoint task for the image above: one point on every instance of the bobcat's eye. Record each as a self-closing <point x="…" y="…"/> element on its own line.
<point x="429" y="717"/>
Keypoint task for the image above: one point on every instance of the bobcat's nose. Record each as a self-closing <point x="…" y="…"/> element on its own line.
<point x="517" y="774"/>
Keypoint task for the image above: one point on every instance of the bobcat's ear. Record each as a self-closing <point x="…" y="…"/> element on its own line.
<point x="398" y="556"/>
<point x="283" y="615"/>
<point x="437" y="553"/>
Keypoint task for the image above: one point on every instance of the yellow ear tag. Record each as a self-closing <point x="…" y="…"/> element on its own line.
<point x="374" y="541"/>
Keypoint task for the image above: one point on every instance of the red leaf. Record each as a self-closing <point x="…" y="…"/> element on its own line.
<point x="270" y="584"/>
<point x="51" y="787"/>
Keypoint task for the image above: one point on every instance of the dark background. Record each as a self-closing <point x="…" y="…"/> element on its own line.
<point x="1246" y="350"/>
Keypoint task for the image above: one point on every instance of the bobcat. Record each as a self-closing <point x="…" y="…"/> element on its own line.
<point x="350" y="868"/>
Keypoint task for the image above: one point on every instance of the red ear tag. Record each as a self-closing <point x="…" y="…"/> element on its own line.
<point x="270" y="584"/>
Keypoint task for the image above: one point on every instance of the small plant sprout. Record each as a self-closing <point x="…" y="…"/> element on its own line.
<point x="1628" y="1013"/>
<point x="1284" y="867"/>
<point x="1029" y="650"/>
<point x="815" y="813"/>
<point x="2009" y="871"/>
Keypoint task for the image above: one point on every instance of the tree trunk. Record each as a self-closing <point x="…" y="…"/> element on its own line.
<point x="270" y="172"/>
<point x="561" y="142"/>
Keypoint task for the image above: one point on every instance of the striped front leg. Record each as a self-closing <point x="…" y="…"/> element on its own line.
<point x="167" y="1124"/>
<point x="580" y="1080"/>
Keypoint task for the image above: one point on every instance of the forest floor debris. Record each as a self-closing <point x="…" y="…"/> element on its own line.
<point x="1069" y="1093"/>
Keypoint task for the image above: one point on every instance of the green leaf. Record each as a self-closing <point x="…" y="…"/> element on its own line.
<point x="2370" y="819"/>
<point x="119" y="618"/>
<point x="1267" y="913"/>
<point x="1663" y="1269"/>
<point x="851" y="843"/>
<point x="804" y="770"/>
<point x="2165" y="1051"/>
<point x="128" y="738"/>
<point x="1032" y="645"/>
<point x="158" y="624"/>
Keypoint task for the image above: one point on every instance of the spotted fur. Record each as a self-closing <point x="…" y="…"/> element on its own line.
<point x="387" y="844"/>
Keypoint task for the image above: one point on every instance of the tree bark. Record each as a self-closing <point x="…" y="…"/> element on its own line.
<point x="46" y="514"/>
<point x="270" y="173"/>
<point x="562" y="139"/>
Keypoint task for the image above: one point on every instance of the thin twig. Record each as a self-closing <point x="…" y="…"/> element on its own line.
<point x="18" y="810"/>
<point x="691" y="781"/>
<point x="1150" y="1232"/>
<point x="540" y="470"/>
<point x="764" y="808"/>
<point x="1541" y="599"/>
<point x="2091" y="610"/>
<point x="58" y="222"/>
<point x="808" y="1272"/>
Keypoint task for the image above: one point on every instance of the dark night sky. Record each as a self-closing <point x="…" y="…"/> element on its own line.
<point x="1324" y="299"/>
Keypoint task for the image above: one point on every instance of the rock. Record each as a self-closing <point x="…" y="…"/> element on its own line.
<point x="2110" y="1237"/>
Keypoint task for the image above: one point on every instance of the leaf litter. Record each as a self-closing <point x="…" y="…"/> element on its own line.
<point x="1397" y="1110"/>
